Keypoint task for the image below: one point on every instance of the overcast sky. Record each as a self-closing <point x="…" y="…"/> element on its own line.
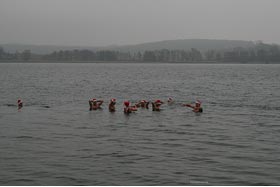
<point x="110" y="22"/>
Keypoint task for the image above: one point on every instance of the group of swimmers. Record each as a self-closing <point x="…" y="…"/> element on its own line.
<point x="95" y="104"/>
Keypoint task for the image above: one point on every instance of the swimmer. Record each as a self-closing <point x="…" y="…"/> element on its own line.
<point x="128" y="109"/>
<point x="95" y="104"/>
<point x="197" y="108"/>
<point x="138" y="105"/>
<point x="143" y="104"/>
<point x="112" y="104"/>
<point x="20" y="103"/>
<point x="90" y="104"/>
<point x="156" y="105"/>
<point x="170" y="100"/>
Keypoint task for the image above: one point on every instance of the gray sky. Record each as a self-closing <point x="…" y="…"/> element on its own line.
<point x="109" y="22"/>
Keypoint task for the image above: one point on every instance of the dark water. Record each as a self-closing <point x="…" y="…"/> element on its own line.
<point x="55" y="140"/>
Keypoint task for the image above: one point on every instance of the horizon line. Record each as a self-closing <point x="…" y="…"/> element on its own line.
<point x="132" y="44"/>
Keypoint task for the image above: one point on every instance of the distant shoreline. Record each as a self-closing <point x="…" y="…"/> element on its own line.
<point x="196" y="51"/>
<point x="131" y="62"/>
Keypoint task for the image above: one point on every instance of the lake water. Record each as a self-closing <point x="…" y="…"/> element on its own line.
<point x="55" y="140"/>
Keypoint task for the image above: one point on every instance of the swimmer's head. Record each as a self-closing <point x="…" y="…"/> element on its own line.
<point x="126" y="103"/>
<point x="197" y="103"/>
<point x="113" y="100"/>
<point x="158" y="101"/>
<point x="19" y="100"/>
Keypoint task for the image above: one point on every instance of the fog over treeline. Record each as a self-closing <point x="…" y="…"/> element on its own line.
<point x="126" y="30"/>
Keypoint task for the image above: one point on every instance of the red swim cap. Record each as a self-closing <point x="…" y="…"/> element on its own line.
<point x="126" y="103"/>
<point x="19" y="100"/>
<point x="158" y="101"/>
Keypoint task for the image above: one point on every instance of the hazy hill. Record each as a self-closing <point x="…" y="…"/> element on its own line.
<point x="186" y="44"/>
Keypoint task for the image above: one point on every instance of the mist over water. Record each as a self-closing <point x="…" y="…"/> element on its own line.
<point x="55" y="140"/>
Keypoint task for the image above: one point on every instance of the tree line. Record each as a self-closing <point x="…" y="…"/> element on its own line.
<point x="259" y="53"/>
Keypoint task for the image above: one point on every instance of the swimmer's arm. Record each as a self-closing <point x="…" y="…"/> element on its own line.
<point x="188" y="105"/>
<point x="133" y="108"/>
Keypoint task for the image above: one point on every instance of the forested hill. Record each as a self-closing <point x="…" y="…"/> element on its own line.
<point x="186" y="44"/>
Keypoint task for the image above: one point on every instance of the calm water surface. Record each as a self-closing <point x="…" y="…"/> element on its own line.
<point x="55" y="140"/>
